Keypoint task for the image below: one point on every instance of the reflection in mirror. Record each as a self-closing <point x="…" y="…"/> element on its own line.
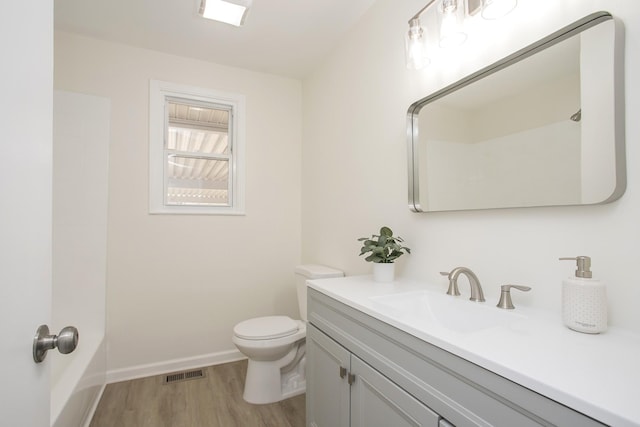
<point x="543" y="127"/>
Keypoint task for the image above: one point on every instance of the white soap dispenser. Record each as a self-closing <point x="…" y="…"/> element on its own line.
<point x="584" y="299"/>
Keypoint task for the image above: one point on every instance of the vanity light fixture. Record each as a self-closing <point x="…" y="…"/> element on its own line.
<point x="231" y="12"/>
<point x="451" y="18"/>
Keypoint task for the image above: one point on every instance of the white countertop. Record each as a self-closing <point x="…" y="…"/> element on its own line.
<point x="598" y="375"/>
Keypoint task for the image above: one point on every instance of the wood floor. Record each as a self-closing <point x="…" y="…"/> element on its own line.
<point x="213" y="401"/>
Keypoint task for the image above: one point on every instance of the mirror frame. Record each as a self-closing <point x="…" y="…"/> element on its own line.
<point x="554" y="38"/>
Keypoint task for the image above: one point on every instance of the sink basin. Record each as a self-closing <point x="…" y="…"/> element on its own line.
<point x="457" y="314"/>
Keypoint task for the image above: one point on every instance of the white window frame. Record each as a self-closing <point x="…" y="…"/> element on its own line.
<point x="159" y="91"/>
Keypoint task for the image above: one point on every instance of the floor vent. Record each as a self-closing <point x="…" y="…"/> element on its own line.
<point x="184" y="376"/>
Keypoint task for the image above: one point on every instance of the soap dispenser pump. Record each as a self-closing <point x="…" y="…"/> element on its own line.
<point x="584" y="299"/>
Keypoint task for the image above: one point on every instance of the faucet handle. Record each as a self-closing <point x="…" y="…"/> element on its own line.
<point x="453" y="284"/>
<point x="505" y="295"/>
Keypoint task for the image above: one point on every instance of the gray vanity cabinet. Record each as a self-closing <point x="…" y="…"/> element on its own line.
<point x="400" y="380"/>
<point x="344" y="391"/>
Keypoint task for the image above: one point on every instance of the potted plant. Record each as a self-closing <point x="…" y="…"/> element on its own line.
<point x="383" y="250"/>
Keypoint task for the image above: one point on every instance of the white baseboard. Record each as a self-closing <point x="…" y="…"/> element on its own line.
<point x="159" y="368"/>
<point x="94" y="406"/>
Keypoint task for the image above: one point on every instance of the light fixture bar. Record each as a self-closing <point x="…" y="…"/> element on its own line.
<point x="421" y="11"/>
<point x="474" y="7"/>
<point x="231" y="12"/>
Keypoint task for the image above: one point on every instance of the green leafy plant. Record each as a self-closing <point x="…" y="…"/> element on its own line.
<point x="383" y="247"/>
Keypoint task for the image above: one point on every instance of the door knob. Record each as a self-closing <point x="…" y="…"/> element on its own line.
<point x="66" y="341"/>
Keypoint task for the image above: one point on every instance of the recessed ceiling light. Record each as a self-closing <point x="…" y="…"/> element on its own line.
<point x="231" y="12"/>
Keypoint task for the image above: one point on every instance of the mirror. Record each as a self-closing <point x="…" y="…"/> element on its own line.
<point x="542" y="127"/>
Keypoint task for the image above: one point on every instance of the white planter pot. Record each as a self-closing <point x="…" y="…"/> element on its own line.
<point x="383" y="272"/>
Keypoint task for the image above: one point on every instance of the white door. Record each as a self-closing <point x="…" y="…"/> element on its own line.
<point x="26" y="111"/>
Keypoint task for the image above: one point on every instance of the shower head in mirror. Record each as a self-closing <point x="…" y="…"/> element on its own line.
<point x="577" y="116"/>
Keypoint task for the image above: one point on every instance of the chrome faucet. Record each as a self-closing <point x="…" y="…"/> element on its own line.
<point x="505" y="295"/>
<point x="476" y="289"/>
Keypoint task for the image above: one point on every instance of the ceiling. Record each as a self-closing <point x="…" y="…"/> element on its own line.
<point x="284" y="37"/>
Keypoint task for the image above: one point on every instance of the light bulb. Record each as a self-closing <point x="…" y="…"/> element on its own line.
<point x="451" y="30"/>
<point x="416" y="46"/>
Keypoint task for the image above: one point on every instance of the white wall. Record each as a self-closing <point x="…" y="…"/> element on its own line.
<point x="355" y="170"/>
<point x="176" y="285"/>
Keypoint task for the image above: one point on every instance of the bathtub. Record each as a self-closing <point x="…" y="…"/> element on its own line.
<point x="80" y="194"/>
<point x="76" y="391"/>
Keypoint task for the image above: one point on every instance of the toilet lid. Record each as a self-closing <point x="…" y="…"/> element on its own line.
<point x="266" y="328"/>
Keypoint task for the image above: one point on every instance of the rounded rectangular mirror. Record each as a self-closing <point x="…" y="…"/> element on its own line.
<point x="542" y="127"/>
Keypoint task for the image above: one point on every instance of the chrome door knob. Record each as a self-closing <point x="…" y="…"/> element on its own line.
<point x="66" y="341"/>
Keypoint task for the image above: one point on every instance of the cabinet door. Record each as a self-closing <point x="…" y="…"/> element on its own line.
<point x="377" y="402"/>
<point x="327" y="387"/>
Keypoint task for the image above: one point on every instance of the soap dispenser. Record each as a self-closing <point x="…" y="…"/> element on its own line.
<point x="584" y="299"/>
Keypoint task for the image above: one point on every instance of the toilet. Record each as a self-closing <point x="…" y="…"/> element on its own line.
<point x="275" y="346"/>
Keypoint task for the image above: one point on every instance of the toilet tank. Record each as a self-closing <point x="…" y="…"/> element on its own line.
<point x="311" y="272"/>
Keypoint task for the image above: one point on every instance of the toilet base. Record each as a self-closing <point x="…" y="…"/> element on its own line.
<point x="265" y="383"/>
<point x="293" y="384"/>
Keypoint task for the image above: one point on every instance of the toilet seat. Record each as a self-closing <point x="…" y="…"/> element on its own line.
<point x="266" y="328"/>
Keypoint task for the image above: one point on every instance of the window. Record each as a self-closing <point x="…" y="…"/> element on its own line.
<point x="195" y="150"/>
